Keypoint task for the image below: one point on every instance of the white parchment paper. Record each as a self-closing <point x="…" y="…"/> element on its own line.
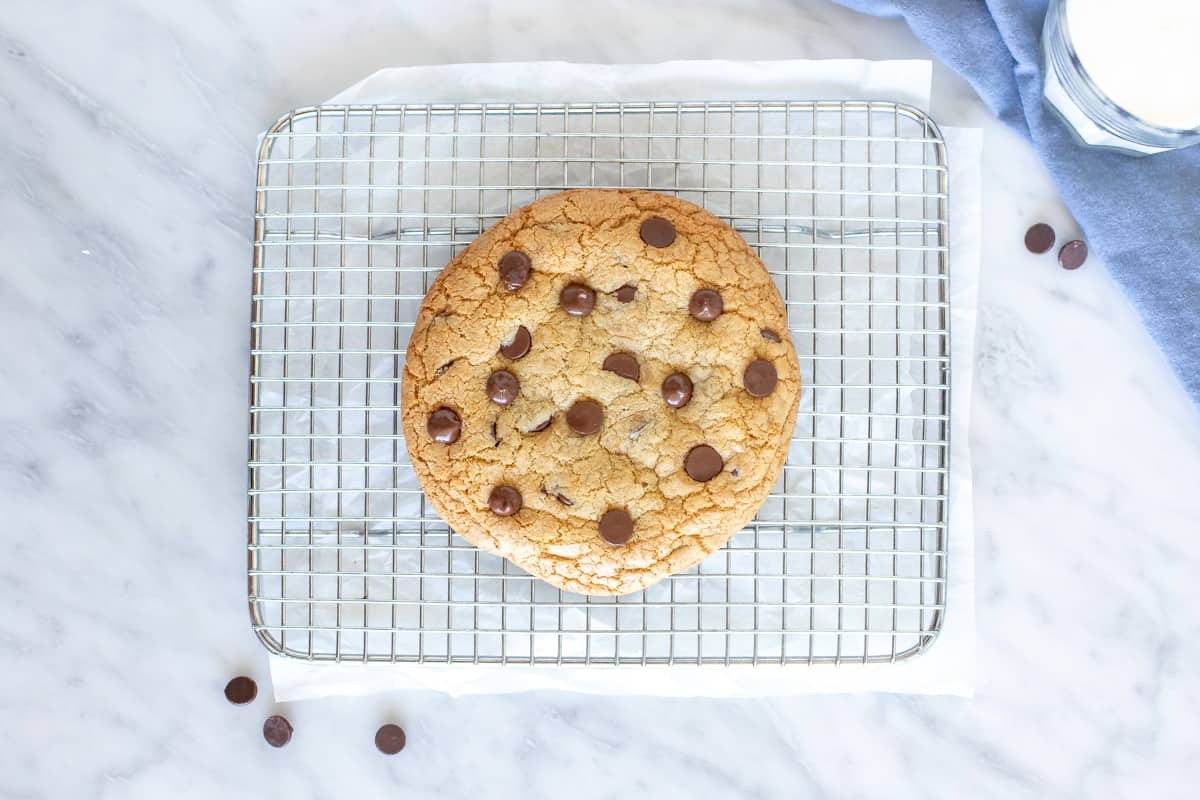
<point x="949" y="666"/>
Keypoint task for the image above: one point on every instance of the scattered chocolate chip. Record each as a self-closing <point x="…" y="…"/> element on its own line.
<point x="702" y="463"/>
<point x="277" y="731"/>
<point x="390" y="739"/>
<point x="626" y="293"/>
<point x="519" y="346"/>
<point x="637" y="428"/>
<point x="495" y="435"/>
<point x="444" y="368"/>
<point x="577" y="299"/>
<point x="616" y="526"/>
<point x="706" y="305"/>
<point x="657" y="232"/>
<point x="677" y="390"/>
<point x="504" y="501"/>
<point x="541" y="426"/>
<point x="503" y="387"/>
<point x="514" y="270"/>
<point x="769" y="335"/>
<point x="241" y="690"/>
<point x="585" y="417"/>
<point x="444" y="426"/>
<point x="624" y="365"/>
<point x="760" y="378"/>
<point x="1073" y="254"/>
<point x="1039" y="238"/>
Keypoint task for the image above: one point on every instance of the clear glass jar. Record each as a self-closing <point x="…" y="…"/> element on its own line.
<point x="1091" y="113"/>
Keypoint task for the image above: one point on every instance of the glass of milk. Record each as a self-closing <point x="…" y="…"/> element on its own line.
<point x="1125" y="74"/>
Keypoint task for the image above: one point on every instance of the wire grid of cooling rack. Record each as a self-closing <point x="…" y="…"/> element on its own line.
<point x="359" y="207"/>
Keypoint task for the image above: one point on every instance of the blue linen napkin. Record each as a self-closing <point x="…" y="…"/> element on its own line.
<point x="1141" y="214"/>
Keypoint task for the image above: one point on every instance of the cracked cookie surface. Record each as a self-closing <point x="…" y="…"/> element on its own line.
<point x="601" y="388"/>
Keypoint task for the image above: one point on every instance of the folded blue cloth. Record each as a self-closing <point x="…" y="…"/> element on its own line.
<point x="1141" y="214"/>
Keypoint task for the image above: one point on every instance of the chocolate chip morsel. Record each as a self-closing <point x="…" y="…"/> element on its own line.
<point x="514" y="269"/>
<point x="390" y="739"/>
<point x="706" y="305"/>
<point x="677" y="390"/>
<point x="585" y="417"/>
<point x="519" y="346"/>
<point x="616" y="526"/>
<point x="760" y="378"/>
<point x="1073" y="254"/>
<point x="657" y="232"/>
<point x="770" y="335"/>
<point x="241" y="690"/>
<point x="444" y="426"/>
<point x="277" y="731"/>
<point x="1039" y="238"/>
<point x="577" y="300"/>
<point x="504" y="501"/>
<point x="503" y="387"/>
<point x="623" y="364"/>
<point x="626" y="293"/>
<point x="702" y="463"/>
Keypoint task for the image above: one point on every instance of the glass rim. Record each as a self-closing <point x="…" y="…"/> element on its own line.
<point x="1114" y="118"/>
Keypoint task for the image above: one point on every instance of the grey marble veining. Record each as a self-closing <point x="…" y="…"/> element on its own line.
<point x="128" y="141"/>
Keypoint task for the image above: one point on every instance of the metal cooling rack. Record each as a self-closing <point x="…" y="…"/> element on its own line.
<point x="359" y="207"/>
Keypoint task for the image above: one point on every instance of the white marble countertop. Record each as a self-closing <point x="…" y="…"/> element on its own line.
<point x="127" y="132"/>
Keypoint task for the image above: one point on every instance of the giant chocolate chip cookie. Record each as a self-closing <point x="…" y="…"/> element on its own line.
<point x="601" y="388"/>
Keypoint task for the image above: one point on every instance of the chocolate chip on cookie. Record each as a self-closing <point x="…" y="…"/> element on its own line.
<point x="517" y="347"/>
<point x="514" y="270"/>
<point x="760" y="378"/>
<point x="504" y="501"/>
<point x="444" y="425"/>
<point x="585" y="417"/>
<point x="626" y="293"/>
<point x="577" y="299"/>
<point x="503" y="387"/>
<point x="559" y="496"/>
<point x="703" y="463"/>
<point x="657" y="232"/>
<point x="624" y="365"/>
<point x="769" y="335"/>
<point x="677" y="390"/>
<point x="706" y="305"/>
<point x="616" y="526"/>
